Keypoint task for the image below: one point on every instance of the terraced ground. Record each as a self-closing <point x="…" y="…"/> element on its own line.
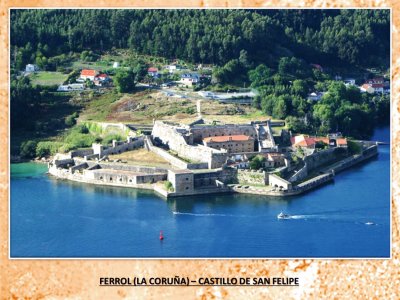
<point x="147" y="105"/>
<point x="141" y="157"/>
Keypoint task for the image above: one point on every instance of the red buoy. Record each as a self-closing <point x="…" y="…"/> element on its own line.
<point x="161" y="235"/>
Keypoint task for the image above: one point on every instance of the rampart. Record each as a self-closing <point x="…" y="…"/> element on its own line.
<point x="313" y="161"/>
<point x="175" y="161"/>
<point x="121" y="166"/>
<point x="369" y="152"/>
<point x="118" y="147"/>
<point x="178" y="139"/>
<point x="199" y="132"/>
<point x="209" y="179"/>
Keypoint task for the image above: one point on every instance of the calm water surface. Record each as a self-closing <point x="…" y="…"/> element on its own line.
<point x="56" y="218"/>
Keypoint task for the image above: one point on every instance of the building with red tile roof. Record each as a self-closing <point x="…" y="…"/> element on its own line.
<point x="88" y="74"/>
<point x="231" y="143"/>
<point x="309" y="142"/>
<point x="152" y="71"/>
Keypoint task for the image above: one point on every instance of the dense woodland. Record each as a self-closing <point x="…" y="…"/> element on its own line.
<point x="326" y="37"/>
<point x="268" y="50"/>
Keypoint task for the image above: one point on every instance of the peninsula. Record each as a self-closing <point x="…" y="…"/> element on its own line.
<point x="202" y="158"/>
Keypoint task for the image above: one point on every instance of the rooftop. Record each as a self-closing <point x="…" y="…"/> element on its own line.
<point x="228" y="138"/>
<point x="87" y="72"/>
<point x="183" y="171"/>
<point x="305" y="141"/>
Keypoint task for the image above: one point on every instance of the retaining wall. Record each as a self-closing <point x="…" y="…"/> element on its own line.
<point x="178" y="139"/>
<point x="208" y="179"/>
<point x="252" y="177"/>
<point x="123" y="167"/>
<point x="181" y="164"/>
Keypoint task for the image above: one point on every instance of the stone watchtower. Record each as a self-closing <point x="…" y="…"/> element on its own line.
<point x="182" y="180"/>
<point x="98" y="149"/>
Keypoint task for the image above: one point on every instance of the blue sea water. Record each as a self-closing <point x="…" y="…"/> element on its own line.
<point x="56" y="218"/>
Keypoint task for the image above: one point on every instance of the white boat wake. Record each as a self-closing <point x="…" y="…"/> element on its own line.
<point x="201" y="215"/>
<point x="331" y="218"/>
<point x="305" y="217"/>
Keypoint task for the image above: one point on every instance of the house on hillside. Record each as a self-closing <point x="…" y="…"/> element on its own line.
<point x="315" y="96"/>
<point x="372" y="88"/>
<point x="116" y="65"/>
<point x="153" y="72"/>
<point x="366" y="88"/>
<point x="102" y="80"/>
<point x="173" y="68"/>
<point x="88" y="74"/>
<point x="376" y="80"/>
<point x="29" y="68"/>
<point x="190" y="79"/>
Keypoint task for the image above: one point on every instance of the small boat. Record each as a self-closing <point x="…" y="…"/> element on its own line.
<point x="283" y="216"/>
<point x="370" y="223"/>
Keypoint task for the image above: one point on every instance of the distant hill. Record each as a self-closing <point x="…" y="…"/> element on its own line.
<point x="325" y="37"/>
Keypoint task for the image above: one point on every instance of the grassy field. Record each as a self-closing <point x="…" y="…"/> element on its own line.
<point x="98" y="107"/>
<point x="98" y="65"/>
<point x="48" y="78"/>
<point x="141" y="157"/>
<point x="145" y="106"/>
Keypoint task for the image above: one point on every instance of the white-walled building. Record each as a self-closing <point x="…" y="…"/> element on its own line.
<point x="31" y="68"/>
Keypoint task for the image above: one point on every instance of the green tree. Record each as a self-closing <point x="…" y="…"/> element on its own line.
<point x="125" y="81"/>
<point x="260" y="76"/>
<point x="296" y="125"/>
<point x="257" y="162"/>
<point x="300" y="87"/>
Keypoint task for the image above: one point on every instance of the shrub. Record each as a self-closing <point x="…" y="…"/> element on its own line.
<point x="44" y="149"/>
<point x="354" y="147"/>
<point x="109" y="138"/>
<point x="79" y="140"/>
<point x="65" y="148"/>
<point x="81" y="129"/>
<point x="168" y="186"/>
<point x="28" y="149"/>
<point x="70" y="120"/>
<point x="257" y="162"/>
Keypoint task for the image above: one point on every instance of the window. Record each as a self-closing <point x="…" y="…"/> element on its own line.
<point x="110" y="178"/>
<point x="187" y="178"/>
<point x="130" y="180"/>
<point x="101" y="177"/>
<point x="187" y="187"/>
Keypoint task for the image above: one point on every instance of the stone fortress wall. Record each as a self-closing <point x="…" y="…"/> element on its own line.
<point x="179" y="139"/>
<point x="175" y="161"/>
<point x="210" y="178"/>
<point x="187" y="140"/>
<point x="88" y="165"/>
<point x="98" y="150"/>
<point x="313" y="161"/>
<point x="199" y="132"/>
